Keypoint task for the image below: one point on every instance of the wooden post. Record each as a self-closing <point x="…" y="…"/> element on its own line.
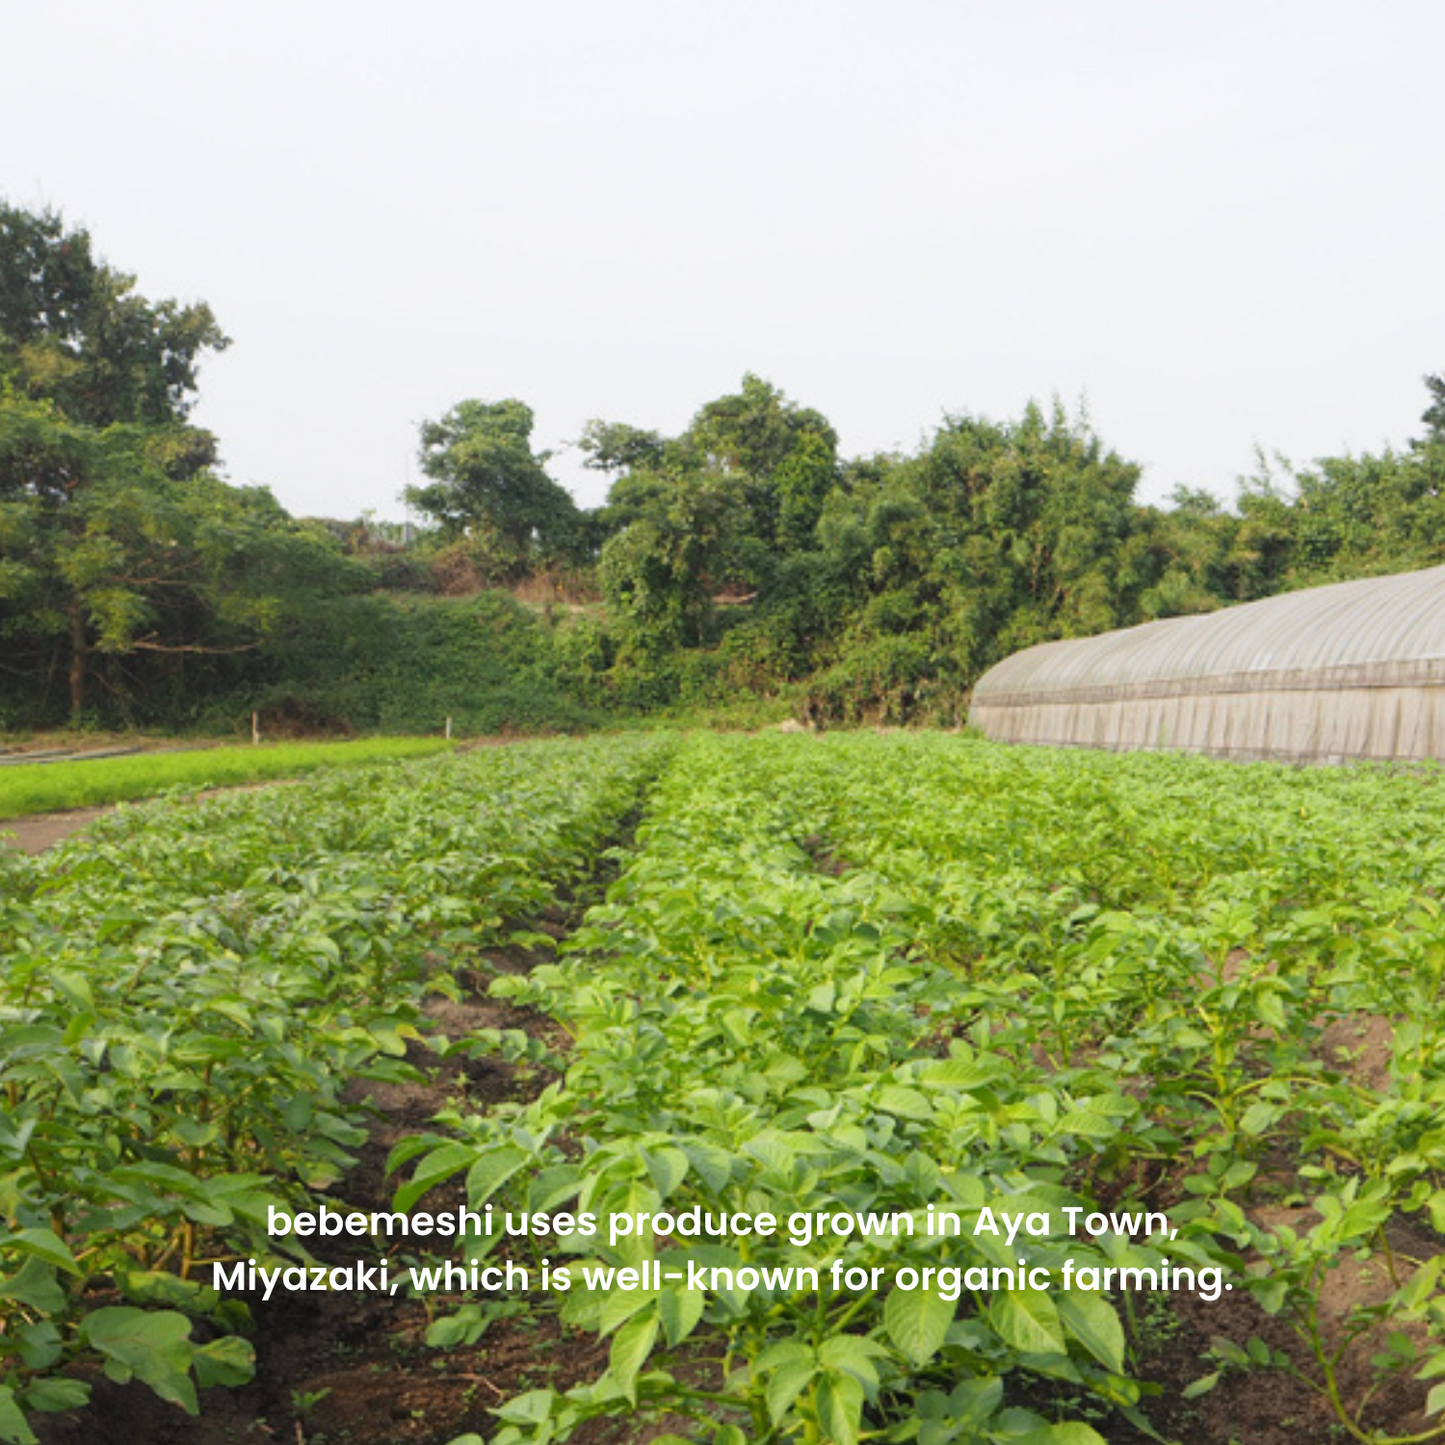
<point x="449" y="729"/>
<point x="255" y="728"/>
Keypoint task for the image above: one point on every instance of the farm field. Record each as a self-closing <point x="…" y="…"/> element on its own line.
<point x="29" y="788"/>
<point x="1089" y="1097"/>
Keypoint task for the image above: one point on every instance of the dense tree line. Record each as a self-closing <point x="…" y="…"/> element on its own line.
<point x="744" y="555"/>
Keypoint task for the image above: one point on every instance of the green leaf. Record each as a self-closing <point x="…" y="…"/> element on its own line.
<point x="680" y="1310"/>
<point x="1091" y="1319"/>
<point x="45" y="1245"/>
<point x="39" y="1344"/>
<point x="1029" y="1321"/>
<point x="434" y="1168"/>
<point x="972" y="1402"/>
<point x="822" y="997"/>
<point x="781" y="1352"/>
<point x="1068" y="1432"/>
<point x="34" y="1284"/>
<point x="154" y="1346"/>
<point x="492" y="1171"/>
<point x="1091" y="1123"/>
<point x="619" y="1305"/>
<point x="552" y="1187"/>
<point x="786" y="1383"/>
<point x="159" y="1287"/>
<point x="13" y="1429"/>
<point x="1202" y="1386"/>
<point x="1270" y="1010"/>
<point x="962" y="1074"/>
<point x="840" y="1409"/>
<point x="667" y="1167"/>
<point x="1435" y="1400"/>
<point x="630" y="1348"/>
<point x="230" y="1360"/>
<point x="1437" y="1211"/>
<point x="714" y="1166"/>
<point x="532" y="1408"/>
<point x="853" y="1355"/>
<point x="917" y="1321"/>
<point x="56" y="1393"/>
<point x="1258" y="1117"/>
<point x="905" y="1103"/>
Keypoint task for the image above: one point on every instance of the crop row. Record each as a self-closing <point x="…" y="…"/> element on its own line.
<point x="188" y="992"/>
<point x="865" y="975"/>
<point x="43" y="787"/>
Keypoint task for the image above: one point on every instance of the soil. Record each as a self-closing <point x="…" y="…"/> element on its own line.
<point x="1269" y="1405"/>
<point x="348" y="1368"/>
<point x="354" y="1369"/>
<point x="39" y="831"/>
<point x="1362" y="1046"/>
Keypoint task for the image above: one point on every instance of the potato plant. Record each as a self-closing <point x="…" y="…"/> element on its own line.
<point x="862" y="975"/>
<point x="188" y="992"/>
<point x="834" y="977"/>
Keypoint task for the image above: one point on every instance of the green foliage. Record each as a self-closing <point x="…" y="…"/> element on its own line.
<point x="404" y="664"/>
<point x="617" y="447"/>
<point x="48" y="787"/>
<point x="488" y="486"/>
<point x="190" y="997"/>
<point x="944" y="1013"/>
<point x="114" y="540"/>
<point x="891" y="583"/>
<point x="659" y="571"/>
<point x="74" y="333"/>
<point x="843" y="975"/>
<point x="1434" y="415"/>
<point x="740" y="555"/>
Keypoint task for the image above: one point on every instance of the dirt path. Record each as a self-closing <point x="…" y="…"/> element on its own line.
<point x="39" y="831"/>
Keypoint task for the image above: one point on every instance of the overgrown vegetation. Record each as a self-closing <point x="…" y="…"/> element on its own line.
<point x="743" y="556"/>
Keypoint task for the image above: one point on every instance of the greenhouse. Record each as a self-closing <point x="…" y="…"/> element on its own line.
<point x="1352" y="670"/>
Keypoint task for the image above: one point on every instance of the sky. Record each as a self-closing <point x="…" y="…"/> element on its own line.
<point x="1217" y="227"/>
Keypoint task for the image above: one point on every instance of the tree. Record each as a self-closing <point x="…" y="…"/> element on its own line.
<point x="614" y="446"/>
<point x="489" y="484"/>
<point x="1434" y="415"/>
<point x="786" y="455"/>
<point x="658" y="571"/>
<point x="115" y="539"/>
<point x="73" y="331"/>
<point x="104" y="553"/>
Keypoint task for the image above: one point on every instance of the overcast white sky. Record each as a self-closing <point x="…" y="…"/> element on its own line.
<point x="1220" y="223"/>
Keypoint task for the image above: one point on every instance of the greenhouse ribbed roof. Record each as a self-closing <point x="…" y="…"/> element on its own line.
<point x="1381" y="631"/>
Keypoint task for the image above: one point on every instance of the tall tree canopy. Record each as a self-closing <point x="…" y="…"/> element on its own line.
<point x="114" y="537"/>
<point x="488" y="484"/>
<point x="74" y="331"/>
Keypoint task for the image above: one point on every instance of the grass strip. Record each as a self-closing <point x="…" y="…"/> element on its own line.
<point x="53" y="787"/>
